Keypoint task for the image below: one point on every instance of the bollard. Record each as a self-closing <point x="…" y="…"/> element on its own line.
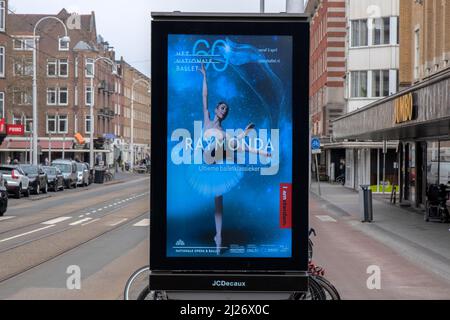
<point x="365" y="202"/>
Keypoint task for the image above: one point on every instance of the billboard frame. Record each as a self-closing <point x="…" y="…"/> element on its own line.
<point x="294" y="25"/>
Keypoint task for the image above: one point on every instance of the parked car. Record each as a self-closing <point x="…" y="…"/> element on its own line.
<point x="3" y="196"/>
<point x="38" y="178"/>
<point x="55" y="178"/>
<point x="16" y="182"/>
<point x="82" y="174"/>
<point x="69" y="171"/>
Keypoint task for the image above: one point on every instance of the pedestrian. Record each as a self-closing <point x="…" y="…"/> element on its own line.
<point x="46" y="162"/>
<point x="8" y="160"/>
<point x="15" y="162"/>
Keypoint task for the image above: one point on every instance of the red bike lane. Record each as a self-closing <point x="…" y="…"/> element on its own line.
<point x="346" y="254"/>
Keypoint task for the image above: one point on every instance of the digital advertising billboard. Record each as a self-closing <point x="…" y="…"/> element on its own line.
<point x="230" y="130"/>
<point x="229" y="155"/>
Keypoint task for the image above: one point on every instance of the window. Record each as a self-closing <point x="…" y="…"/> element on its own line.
<point x="76" y="67"/>
<point x="23" y="44"/>
<point x="51" y="96"/>
<point x="22" y="96"/>
<point x="416" y="54"/>
<point x="2" y="15"/>
<point x="63" y="96"/>
<point x="381" y="31"/>
<point x="62" y="124"/>
<point x="2" y="61"/>
<point x="87" y="124"/>
<point x="23" y="67"/>
<point x="75" y="123"/>
<point x="28" y="124"/>
<point x="76" y="96"/>
<point x="88" y="96"/>
<point x="359" y="33"/>
<point x="90" y="68"/>
<point x="63" y="45"/>
<point x="51" y="124"/>
<point x="359" y="84"/>
<point x="380" y="83"/>
<point x="63" y="67"/>
<point x="52" y="67"/>
<point x="2" y="105"/>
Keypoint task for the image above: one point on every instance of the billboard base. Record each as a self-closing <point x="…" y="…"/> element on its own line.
<point x="229" y="282"/>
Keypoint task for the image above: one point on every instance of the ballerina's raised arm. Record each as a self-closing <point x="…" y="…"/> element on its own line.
<point x="205" y="95"/>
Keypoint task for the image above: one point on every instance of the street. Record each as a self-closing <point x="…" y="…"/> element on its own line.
<point x="102" y="229"/>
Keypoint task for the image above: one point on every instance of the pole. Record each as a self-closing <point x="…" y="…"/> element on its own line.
<point x="64" y="146"/>
<point x="317" y="173"/>
<point x="132" y="129"/>
<point x="31" y="147"/>
<point x="91" y="131"/>
<point x="262" y="6"/>
<point x="50" y="148"/>
<point x="35" y="115"/>
<point x="384" y="172"/>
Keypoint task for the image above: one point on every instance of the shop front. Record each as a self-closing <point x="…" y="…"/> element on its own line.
<point x="419" y="119"/>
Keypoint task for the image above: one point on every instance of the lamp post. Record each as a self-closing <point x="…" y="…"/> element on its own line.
<point x="35" y="114"/>
<point x="91" y="135"/>
<point x="135" y="82"/>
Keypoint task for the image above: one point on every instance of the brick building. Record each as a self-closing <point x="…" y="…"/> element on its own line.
<point x="327" y="72"/>
<point x="142" y="111"/>
<point x="64" y="75"/>
<point x="424" y="39"/>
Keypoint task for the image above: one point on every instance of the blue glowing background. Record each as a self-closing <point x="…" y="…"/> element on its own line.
<point x="253" y="75"/>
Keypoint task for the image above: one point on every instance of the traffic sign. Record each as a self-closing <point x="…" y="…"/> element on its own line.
<point x="315" y="144"/>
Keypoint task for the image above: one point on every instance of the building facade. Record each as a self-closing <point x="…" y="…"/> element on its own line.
<point x="418" y="116"/>
<point x="327" y="73"/>
<point x="71" y="77"/>
<point x="372" y="73"/>
<point x="140" y="110"/>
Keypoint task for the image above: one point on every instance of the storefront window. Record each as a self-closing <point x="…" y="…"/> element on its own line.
<point x="444" y="163"/>
<point x="432" y="162"/>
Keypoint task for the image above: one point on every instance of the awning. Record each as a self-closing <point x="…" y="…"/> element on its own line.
<point x="427" y="117"/>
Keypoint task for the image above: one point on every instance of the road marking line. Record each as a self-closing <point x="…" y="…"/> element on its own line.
<point x="6" y="218"/>
<point x="88" y="214"/>
<point x="142" y="223"/>
<point x="110" y="205"/>
<point x="81" y="216"/>
<point x="326" y="219"/>
<point x="57" y="220"/>
<point x="115" y="203"/>
<point x="85" y="224"/>
<point x="93" y="211"/>
<point x="26" y="233"/>
<point x="118" y="222"/>
<point x="100" y="209"/>
<point x="106" y="207"/>
<point x="80" y="221"/>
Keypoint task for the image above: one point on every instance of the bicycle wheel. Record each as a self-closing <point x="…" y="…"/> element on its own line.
<point x="315" y="292"/>
<point x="330" y="291"/>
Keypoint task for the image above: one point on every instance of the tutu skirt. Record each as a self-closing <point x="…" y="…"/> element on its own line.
<point x="213" y="180"/>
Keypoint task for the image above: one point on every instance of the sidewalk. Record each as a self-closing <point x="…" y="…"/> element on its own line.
<point x="405" y="231"/>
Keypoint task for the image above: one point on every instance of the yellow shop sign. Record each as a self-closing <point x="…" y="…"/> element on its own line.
<point x="404" y="109"/>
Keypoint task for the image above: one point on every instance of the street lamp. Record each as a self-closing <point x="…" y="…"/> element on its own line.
<point x="91" y="135"/>
<point x="35" y="114"/>
<point x="135" y="82"/>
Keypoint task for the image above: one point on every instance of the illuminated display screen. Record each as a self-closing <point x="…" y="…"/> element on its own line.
<point x="229" y="146"/>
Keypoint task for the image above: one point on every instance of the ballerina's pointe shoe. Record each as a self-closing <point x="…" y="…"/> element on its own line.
<point x="218" y="241"/>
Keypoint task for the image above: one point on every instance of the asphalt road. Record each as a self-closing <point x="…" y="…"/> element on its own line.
<point x="100" y="231"/>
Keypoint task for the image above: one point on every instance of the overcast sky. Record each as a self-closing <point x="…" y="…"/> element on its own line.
<point x="126" y="24"/>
